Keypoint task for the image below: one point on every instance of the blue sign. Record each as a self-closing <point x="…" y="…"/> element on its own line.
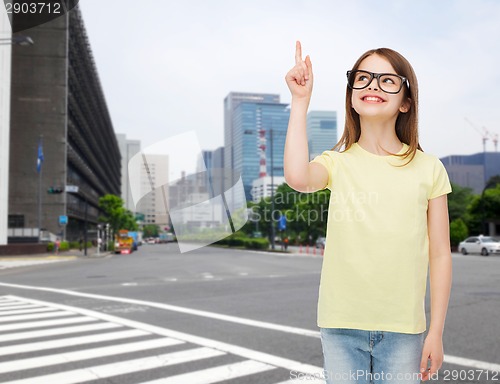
<point x="63" y="220"/>
<point x="282" y="223"/>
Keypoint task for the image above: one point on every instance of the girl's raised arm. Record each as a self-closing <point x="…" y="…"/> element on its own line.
<point x="300" y="174"/>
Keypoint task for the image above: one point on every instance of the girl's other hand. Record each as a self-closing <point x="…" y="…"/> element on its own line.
<point x="300" y="78"/>
<point x="433" y="351"/>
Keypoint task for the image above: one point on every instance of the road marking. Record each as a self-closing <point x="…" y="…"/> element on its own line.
<point x="47" y="323"/>
<point x="9" y="306"/>
<point x="216" y="374"/>
<point x="255" y="323"/>
<point x="63" y="358"/>
<point x="250" y="354"/>
<point x="58" y="331"/>
<point x="25" y="311"/>
<point x="472" y="363"/>
<point x="123" y="367"/>
<point x="6" y="319"/>
<point x="43" y="345"/>
<point x="189" y="311"/>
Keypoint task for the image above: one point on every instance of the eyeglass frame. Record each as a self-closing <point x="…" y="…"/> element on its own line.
<point x="404" y="80"/>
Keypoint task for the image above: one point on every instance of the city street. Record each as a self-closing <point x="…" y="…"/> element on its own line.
<point x="213" y="315"/>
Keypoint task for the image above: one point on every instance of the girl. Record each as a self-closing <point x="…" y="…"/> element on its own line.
<point x="387" y="223"/>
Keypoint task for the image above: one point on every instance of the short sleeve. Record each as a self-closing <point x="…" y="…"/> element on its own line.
<point x="326" y="160"/>
<point x="441" y="183"/>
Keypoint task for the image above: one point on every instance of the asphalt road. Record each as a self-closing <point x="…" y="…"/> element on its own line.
<point x="211" y="315"/>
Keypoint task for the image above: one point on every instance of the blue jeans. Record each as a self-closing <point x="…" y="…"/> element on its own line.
<point x="371" y="357"/>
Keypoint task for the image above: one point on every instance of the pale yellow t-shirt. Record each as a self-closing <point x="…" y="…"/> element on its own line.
<point x="377" y="247"/>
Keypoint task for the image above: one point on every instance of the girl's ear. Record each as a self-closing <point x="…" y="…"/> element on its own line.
<point x="405" y="107"/>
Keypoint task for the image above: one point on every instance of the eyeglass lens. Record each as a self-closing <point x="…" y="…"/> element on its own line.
<point x="387" y="83"/>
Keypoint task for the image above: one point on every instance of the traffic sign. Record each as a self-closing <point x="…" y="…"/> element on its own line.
<point x="72" y="188"/>
<point x="63" y="220"/>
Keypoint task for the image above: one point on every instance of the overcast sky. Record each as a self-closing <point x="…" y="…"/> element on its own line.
<point x="166" y="66"/>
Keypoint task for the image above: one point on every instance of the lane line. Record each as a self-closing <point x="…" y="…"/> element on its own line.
<point x="58" y="331"/>
<point x="216" y="374"/>
<point x="123" y="367"/>
<point x="174" y="308"/>
<point x="47" y="323"/>
<point x="472" y="363"/>
<point x="87" y="354"/>
<point x="218" y="345"/>
<point x="69" y="342"/>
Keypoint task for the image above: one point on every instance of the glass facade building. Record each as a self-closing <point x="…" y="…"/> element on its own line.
<point x="248" y="119"/>
<point x="321" y="132"/>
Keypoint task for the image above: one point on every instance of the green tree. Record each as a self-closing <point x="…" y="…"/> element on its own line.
<point x="485" y="207"/>
<point x="458" y="201"/>
<point x="116" y="214"/>
<point x="150" y="230"/>
<point x="458" y="231"/>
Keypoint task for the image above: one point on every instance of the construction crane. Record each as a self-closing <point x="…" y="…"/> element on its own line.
<point x="486" y="134"/>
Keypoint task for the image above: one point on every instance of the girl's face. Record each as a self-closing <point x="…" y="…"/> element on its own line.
<point x="373" y="103"/>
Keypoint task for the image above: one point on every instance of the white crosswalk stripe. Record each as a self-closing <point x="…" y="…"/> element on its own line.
<point x="43" y="345"/>
<point x="24" y="311"/>
<point x="46" y="350"/>
<point x="57" y="331"/>
<point x="216" y="374"/>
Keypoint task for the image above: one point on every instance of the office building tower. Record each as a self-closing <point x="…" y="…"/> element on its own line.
<point x="128" y="148"/>
<point x="250" y="120"/>
<point x="57" y="103"/>
<point x="231" y="102"/>
<point x="472" y="171"/>
<point x="321" y="132"/>
<point x="153" y="206"/>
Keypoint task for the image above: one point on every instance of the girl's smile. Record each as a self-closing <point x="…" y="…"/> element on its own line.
<point x="372" y="99"/>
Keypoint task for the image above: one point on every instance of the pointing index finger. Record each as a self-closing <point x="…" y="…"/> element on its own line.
<point x="298" y="53"/>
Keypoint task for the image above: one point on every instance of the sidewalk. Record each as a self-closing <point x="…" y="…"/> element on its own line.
<point x="296" y="250"/>
<point x="72" y="253"/>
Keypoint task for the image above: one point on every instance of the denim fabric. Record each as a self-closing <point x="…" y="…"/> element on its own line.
<point x="371" y="357"/>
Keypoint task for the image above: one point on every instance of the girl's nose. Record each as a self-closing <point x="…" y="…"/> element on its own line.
<point x="374" y="83"/>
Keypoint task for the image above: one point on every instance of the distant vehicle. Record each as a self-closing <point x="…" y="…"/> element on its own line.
<point x="123" y="242"/>
<point x="320" y="243"/>
<point x="137" y="236"/>
<point x="166" y="237"/>
<point x="151" y="240"/>
<point x="483" y="245"/>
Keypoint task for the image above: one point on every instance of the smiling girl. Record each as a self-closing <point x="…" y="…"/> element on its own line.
<point x="387" y="223"/>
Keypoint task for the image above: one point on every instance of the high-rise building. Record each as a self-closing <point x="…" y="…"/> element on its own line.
<point x="154" y="204"/>
<point x="265" y="186"/>
<point x="321" y="132"/>
<point x="231" y="102"/>
<point x="472" y="171"/>
<point x="250" y="119"/>
<point x="57" y="100"/>
<point x="128" y="148"/>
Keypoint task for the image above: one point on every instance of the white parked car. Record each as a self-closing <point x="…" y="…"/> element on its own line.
<point x="483" y="245"/>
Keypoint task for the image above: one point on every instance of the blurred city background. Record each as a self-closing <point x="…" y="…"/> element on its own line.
<point x="85" y="93"/>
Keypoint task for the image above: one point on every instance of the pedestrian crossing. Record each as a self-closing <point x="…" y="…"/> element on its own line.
<point x="43" y="342"/>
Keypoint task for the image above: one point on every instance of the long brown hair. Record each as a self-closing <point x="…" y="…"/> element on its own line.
<point x="406" y="123"/>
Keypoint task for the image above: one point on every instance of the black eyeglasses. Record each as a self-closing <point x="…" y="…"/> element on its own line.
<point x="387" y="82"/>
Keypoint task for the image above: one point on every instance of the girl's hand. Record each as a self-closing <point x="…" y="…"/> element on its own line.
<point x="300" y="78"/>
<point x="433" y="350"/>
